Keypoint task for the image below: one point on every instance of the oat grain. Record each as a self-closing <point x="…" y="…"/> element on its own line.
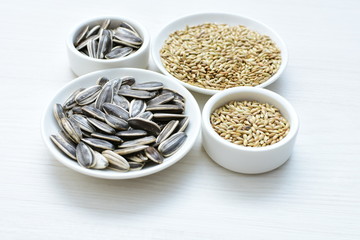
<point x="250" y="123"/>
<point x="219" y="56"/>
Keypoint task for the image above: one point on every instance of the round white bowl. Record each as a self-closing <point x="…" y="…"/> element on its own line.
<point x="219" y="18"/>
<point x="49" y="125"/>
<point x="82" y="64"/>
<point x="250" y="160"/>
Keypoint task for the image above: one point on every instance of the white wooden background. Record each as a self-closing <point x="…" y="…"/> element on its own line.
<point x="315" y="195"/>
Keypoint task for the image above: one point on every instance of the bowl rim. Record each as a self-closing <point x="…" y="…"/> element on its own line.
<point x="206" y="112"/>
<point x="81" y="24"/>
<point x="157" y="60"/>
<point x="119" y="175"/>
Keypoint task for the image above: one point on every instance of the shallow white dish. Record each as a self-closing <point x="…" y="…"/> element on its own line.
<point x="82" y="64"/>
<point x="250" y="160"/>
<point x="220" y="18"/>
<point x="49" y="125"/>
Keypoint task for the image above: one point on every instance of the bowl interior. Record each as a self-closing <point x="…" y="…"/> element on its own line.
<point x="49" y="125"/>
<point x="114" y="22"/>
<point x="220" y="18"/>
<point x="251" y="94"/>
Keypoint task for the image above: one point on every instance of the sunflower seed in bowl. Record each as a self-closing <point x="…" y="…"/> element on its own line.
<point x="120" y="126"/>
<point x="107" y="42"/>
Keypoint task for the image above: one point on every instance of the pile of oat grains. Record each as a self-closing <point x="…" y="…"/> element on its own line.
<point x="219" y="56"/>
<point x="249" y="123"/>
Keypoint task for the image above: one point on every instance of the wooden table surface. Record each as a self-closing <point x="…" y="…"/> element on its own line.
<point x="315" y="195"/>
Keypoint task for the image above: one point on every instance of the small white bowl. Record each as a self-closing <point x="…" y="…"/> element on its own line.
<point x="49" y="125"/>
<point x="82" y="64"/>
<point x="250" y="160"/>
<point x="219" y="18"/>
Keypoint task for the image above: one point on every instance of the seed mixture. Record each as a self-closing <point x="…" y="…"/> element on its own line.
<point x="219" y="56"/>
<point x="121" y="125"/>
<point x="249" y="123"/>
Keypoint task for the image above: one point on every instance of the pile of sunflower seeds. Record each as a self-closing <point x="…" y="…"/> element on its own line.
<point x="219" y="56"/>
<point x="121" y="125"/>
<point x="103" y="42"/>
<point x="250" y="123"/>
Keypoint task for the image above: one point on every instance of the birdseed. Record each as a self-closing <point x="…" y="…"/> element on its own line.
<point x="219" y="56"/>
<point x="250" y="123"/>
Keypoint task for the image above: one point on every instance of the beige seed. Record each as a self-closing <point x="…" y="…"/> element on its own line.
<point x="219" y="56"/>
<point x="257" y="128"/>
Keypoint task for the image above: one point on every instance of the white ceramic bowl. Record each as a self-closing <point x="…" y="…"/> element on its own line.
<point x="219" y="18"/>
<point x="250" y="160"/>
<point x="49" y="125"/>
<point x="82" y="64"/>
